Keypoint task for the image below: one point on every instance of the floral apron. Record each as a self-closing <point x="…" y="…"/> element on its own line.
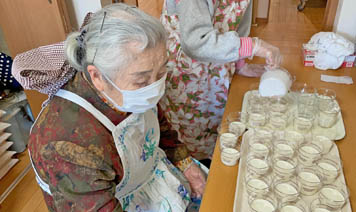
<point x="150" y="183"/>
<point x="196" y="92"/>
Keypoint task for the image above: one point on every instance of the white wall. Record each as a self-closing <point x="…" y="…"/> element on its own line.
<point x="77" y="10"/>
<point x="345" y="19"/>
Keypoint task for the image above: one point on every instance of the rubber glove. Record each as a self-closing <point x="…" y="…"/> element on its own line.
<point x="252" y="70"/>
<point x="196" y="179"/>
<point x="270" y="53"/>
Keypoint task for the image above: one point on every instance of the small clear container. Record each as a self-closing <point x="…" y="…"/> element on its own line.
<point x="324" y="143"/>
<point x="229" y="156"/>
<point x="258" y="165"/>
<point x="303" y="121"/>
<point x="330" y="167"/>
<point x="286" y="190"/>
<point x="294" y="206"/>
<point x="237" y="123"/>
<point x="305" y="94"/>
<point x="310" y="180"/>
<point x="335" y="196"/>
<point x="328" y="114"/>
<point x="284" y="167"/>
<point x="259" y="147"/>
<point x="309" y="153"/>
<point x="325" y="96"/>
<point x="283" y="148"/>
<point x="278" y="120"/>
<point x="279" y="104"/>
<point x="317" y="206"/>
<point x="264" y="134"/>
<point x="291" y="136"/>
<point x="257" y="117"/>
<point x="257" y="184"/>
<point x="228" y="140"/>
<point x="263" y="203"/>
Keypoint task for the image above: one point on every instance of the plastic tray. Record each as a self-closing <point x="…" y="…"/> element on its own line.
<point x="336" y="132"/>
<point x="241" y="196"/>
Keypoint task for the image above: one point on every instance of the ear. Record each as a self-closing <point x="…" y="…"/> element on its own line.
<point x="96" y="77"/>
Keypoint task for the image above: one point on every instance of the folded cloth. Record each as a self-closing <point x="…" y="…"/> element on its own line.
<point x="340" y="79"/>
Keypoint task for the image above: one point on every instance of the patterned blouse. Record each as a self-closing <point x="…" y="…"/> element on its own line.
<point x="76" y="155"/>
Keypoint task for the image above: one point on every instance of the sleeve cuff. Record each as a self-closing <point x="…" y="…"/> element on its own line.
<point x="245" y="47"/>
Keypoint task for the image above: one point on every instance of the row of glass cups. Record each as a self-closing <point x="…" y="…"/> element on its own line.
<point x="289" y="169"/>
<point x="318" y="105"/>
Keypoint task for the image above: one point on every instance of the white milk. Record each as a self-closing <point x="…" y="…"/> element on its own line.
<point x="257" y="119"/>
<point x="310" y="150"/>
<point x="286" y="188"/>
<point x="237" y="128"/>
<point x="309" y="177"/>
<point x="260" y="205"/>
<point x="275" y="83"/>
<point x="333" y="197"/>
<point x="303" y="123"/>
<point x="320" y="210"/>
<point x="284" y="149"/>
<point x="278" y="122"/>
<point x="291" y="208"/>
<point x="328" y="167"/>
<point x="258" y="163"/>
<point x="284" y="165"/>
<point x="257" y="184"/>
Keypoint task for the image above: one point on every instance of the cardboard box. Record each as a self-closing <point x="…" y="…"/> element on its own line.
<point x="309" y="55"/>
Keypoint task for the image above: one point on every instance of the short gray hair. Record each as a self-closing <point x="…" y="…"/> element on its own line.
<point x="107" y="48"/>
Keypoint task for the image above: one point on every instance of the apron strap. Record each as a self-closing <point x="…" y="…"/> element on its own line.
<point x="70" y="96"/>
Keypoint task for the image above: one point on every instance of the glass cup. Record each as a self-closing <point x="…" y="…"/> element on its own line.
<point x="303" y="121"/>
<point x="278" y="120"/>
<point x="286" y="190"/>
<point x="310" y="180"/>
<point x="230" y="156"/>
<point x="295" y="206"/>
<point x="283" y="148"/>
<point x="325" y="96"/>
<point x="257" y="184"/>
<point x="257" y="165"/>
<point x="264" y="134"/>
<point x="279" y="104"/>
<point x="330" y="167"/>
<point x="263" y="203"/>
<point x="259" y="147"/>
<point x="328" y="114"/>
<point x="284" y="167"/>
<point x="334" y="196"/>
<point x="305" y="96"/>
<point x="237" y="123"/>
<point x="291" y="136"/>
<point x="317" y="206"/>
<point x="324" y="143"/>
<point x="309" y="153"/>
<point x="228" y="140"/>
<point x="257" y="116"/>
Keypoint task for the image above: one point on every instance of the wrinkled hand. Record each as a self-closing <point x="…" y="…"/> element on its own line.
<point x="270" y="53"/>
<point x="196" y="179"/>
<point x="252" y="70"/>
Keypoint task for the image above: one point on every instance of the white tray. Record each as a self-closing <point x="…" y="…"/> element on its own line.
<point x="241" y="202"/>
<point x="336" y="132"/>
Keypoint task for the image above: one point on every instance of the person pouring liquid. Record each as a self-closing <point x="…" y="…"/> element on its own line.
<point x="207" y="45"/>
<point x="97" y="145"/>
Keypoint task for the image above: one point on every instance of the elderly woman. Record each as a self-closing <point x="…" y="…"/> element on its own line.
<point x="97" y="144"/>
<point x="207" y="44"/>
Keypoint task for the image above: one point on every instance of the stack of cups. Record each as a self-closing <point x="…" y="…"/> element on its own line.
<point x="230" y="133"/>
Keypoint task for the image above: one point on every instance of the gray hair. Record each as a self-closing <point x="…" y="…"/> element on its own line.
<point x="104" y="41"/>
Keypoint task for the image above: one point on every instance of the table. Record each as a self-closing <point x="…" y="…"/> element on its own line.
<point x="221" y="183"/>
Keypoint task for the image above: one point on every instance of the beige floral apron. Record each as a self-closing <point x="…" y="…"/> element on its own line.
<point x="196" y="92"/>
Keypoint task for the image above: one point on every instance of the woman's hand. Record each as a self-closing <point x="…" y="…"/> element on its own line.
<point x="270" y="53"/>
<point x="196" y="179"/>
<point x="252" y="70"/>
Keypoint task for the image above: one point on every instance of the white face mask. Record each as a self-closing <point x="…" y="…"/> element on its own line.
<point x="140" y="100"/>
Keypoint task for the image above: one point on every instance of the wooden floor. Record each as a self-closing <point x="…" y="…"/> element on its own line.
<point x="287" y="28"/>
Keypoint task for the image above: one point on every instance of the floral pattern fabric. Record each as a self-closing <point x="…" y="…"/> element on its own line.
<point x="196" y="92"/>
